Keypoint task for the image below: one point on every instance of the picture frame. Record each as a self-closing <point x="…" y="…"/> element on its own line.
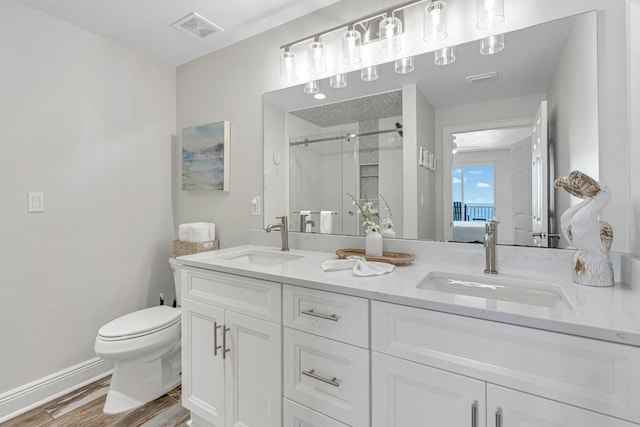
<point x="205" y="157"/>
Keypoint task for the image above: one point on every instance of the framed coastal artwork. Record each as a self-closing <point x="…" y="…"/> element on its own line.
<point x="205" y="157"/>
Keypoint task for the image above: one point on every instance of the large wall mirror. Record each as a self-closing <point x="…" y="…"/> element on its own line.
<point x="445" y="147"/>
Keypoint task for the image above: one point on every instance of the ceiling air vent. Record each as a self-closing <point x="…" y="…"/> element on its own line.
<point x="196" y="26"/>
<point x="483" y="78"/>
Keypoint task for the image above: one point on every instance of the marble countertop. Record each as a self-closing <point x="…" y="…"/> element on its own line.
<point x="610" y="314"/>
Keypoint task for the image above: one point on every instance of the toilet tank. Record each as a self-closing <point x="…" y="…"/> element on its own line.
<point x="176" y="280"/>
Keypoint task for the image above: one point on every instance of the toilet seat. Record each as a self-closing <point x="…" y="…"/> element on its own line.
<point x="140" y="323"/>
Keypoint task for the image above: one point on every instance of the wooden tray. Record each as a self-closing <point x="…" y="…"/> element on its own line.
<point x="395" y="258"/>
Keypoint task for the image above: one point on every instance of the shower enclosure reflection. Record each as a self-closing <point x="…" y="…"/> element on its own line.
<point x="360" y="158"/>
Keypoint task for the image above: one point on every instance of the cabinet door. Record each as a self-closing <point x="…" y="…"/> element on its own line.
<point x="202" y="365"/>
<point x="511" y="408"/>
<point x="410" y="394"/>
<point x="253" y="372"/>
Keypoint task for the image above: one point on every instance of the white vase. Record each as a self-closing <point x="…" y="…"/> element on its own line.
<point x="373" y="244"/>
<point x="388" y="232"/>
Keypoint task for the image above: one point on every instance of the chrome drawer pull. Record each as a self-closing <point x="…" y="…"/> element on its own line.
<point x="216" y="347"/>
<point x="320" y="315"/>
<point x="225" y="350"/>
<point x="474" y="414"/>
<point x="312" y="373"/>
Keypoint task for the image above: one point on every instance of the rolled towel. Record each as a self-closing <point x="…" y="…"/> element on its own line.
<point x="200" y="232"/>
<point x="359" y="265"/>
<point x="326" y="222"/>
<point x="183" y="232"/>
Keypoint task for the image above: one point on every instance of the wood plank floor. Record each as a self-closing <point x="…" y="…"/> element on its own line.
<point x="83" y="408"/>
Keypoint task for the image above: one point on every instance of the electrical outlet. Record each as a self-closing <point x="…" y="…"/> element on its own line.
<point x="255" y="205"/>
<point x="35" y="202"/>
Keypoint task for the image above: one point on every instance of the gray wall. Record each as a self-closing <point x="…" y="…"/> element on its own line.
<point x="88" y="123"/>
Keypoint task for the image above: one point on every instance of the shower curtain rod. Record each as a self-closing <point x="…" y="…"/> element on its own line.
<point x="306" y="142"/>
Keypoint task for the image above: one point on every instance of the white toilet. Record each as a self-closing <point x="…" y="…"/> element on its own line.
<point x="145" y="349"/>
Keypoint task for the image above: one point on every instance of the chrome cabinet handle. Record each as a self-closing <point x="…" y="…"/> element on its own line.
<point x="474" y="414"/>
<point x="225" y="350"/>
<point x="312" y="373"/>
<point x="499" y="417"/>
<point x="320" y="315"/>
<point x="216" y="347"/>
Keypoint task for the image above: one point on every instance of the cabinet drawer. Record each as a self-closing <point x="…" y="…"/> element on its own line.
<point x="300" y="416"/>
<point x="591" y="374"/>
<point x="328" y="376"/>
<point x="257" y="298"/>
<point x="341" y="317"/>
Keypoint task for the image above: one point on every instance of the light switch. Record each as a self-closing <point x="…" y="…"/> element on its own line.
<point x="35" y="202"/>
<point x="255" y="205"/>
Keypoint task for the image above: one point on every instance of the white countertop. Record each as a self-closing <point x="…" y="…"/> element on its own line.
<point x="610" y="314"/>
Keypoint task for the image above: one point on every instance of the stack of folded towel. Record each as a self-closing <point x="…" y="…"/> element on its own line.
<point x="359" y="265"/>
<point x="197" y="232"/>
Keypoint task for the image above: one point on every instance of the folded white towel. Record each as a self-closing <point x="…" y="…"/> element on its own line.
<point x="359" y="265"/>
<point x="307" y="216"/>
<point x="326" y="222"/>
<point x="183" y="232"/>
<point x="201" y="232"/>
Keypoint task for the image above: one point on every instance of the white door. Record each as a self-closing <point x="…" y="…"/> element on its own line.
<point x="521" y="181"/>
<point x="509" y="408"/>
<point x="540" y="177"/>
<point x="253" y="372"/>
<point x="202" y="364"/>
<point x="410" y="394"/>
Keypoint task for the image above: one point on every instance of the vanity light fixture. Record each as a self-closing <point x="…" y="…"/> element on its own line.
<point x="351" y="40"/>
<point x="492" y="44"/>
<point x="338" y="81"/>
<point x="317" y="58"/>
<point x="404" y="65"/>
<point x="435" y="21"/>
<point x="311" y="88"/>
<point x="444" y="56"/>
<point x="490" y="13"/>
<point x="369" y="74"/>
<point x="288" y="65"/>
<point x="390" y="32"/>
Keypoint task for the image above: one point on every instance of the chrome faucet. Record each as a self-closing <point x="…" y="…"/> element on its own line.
<point x="283" y="226"/>
<point x="490" y="239"/>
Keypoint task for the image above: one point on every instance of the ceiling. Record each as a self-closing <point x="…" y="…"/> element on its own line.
<point x="146" y="25"/>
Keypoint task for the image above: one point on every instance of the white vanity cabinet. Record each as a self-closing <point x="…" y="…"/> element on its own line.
<point x="459" y="371"/>
<point x="231" y="349"/>
<point x="326" y="359"/>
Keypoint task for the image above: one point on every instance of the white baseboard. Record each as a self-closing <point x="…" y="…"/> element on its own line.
<point x="24" y="398"/>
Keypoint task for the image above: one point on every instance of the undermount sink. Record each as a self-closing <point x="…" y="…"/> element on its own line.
<point x="530" y="292"/>
<point x="261" y="258"/>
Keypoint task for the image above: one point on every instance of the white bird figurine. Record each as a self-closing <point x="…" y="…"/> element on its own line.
<point x="582" y="227"/>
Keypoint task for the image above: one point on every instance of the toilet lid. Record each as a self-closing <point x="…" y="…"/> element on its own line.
<point x="140" y="323"/>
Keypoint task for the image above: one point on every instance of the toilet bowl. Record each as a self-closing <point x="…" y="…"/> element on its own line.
<point x="144" y="347"/>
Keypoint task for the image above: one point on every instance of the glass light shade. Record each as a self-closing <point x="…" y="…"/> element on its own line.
<point x="444" y="56"/>
<point x="492" y="44"/>
<point x="490" y="13"/>
<point x="311" y="88"/>
<point x="390" y="32"/>
<point x="288" y="66"/>
<point x="351" y="41"/>
<point x="338" y="81"/>
<point x="435" y="22"/>
<point x="369" y="74"/>
<point x="404" y="65"/>
<point x="317" y="58"/>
